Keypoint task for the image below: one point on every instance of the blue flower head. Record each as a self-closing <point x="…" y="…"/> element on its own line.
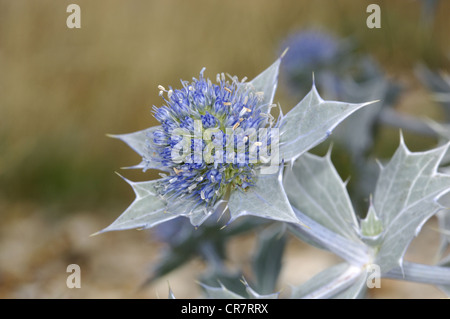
<point x="207" y="140"/>
<point x="319" y="53"/>
<point x="310" y="50"/>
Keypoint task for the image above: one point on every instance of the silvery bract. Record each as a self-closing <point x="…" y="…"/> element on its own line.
<point x="407" y="194"/>
<point x="218" y="143"/>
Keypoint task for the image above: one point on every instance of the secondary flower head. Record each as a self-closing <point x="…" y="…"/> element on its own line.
<point x="310" y="50"/>
<point x="314" y="52"/>
<point x="207" y="140"/>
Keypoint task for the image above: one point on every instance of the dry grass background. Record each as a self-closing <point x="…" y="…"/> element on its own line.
<point x="62" y="90"/>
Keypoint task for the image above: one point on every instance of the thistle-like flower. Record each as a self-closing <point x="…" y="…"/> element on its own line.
<point x="208" y="141"/>
<point x="217" y="143"/>
<point x="310" y="50"/>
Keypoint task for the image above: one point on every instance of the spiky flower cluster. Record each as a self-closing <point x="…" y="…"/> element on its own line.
<point x="314" y="52"/>
<point x="207" y="139"/>
<point x="310" y="50"/>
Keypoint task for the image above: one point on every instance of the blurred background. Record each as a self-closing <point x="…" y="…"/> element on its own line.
<point x="62" y="90"/>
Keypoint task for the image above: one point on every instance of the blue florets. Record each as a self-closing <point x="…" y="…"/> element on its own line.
<point x="319" y="53"/>
<point x="310" y="50"/>
<point x="204" y="139"/>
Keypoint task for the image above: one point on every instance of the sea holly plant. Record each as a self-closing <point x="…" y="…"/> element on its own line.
<point x="438" y="82"/>
<point x="443" y="131"/>
<point x="407" y="194"/>
<point x="218" y="144"/>
<point x="221" y="151"/>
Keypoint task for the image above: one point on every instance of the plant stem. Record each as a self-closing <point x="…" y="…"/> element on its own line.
<point x="355" y="253"/>
<point x="427" y="274"/>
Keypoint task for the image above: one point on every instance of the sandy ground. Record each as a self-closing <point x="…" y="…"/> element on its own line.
<point x="36" y="250"/>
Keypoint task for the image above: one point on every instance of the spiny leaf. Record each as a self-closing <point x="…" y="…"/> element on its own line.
<point x="196" y="215"/>
<point x="444" y="226"/>
<point x="231" y="279"/>
<point x="443" y="132"/>
<point x="314" y="187"/>
<point x="138" y="142"/>
<point x="310" y="122"/>
<point x="267" y="82"/>
<point x="223" y="292"/>
<point x="405" y="198"/>
<point x="147" y="209"/>
<point x="171" y="295"/>
<point x="267" y="260"/>
<point x="371" y="226"/>
<point x="220" y="292"/>
<point x="266" y="199"/>
<point x="407" y="194"/>
<point x="357" y="132"/>
<point x="254" y="295"/>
